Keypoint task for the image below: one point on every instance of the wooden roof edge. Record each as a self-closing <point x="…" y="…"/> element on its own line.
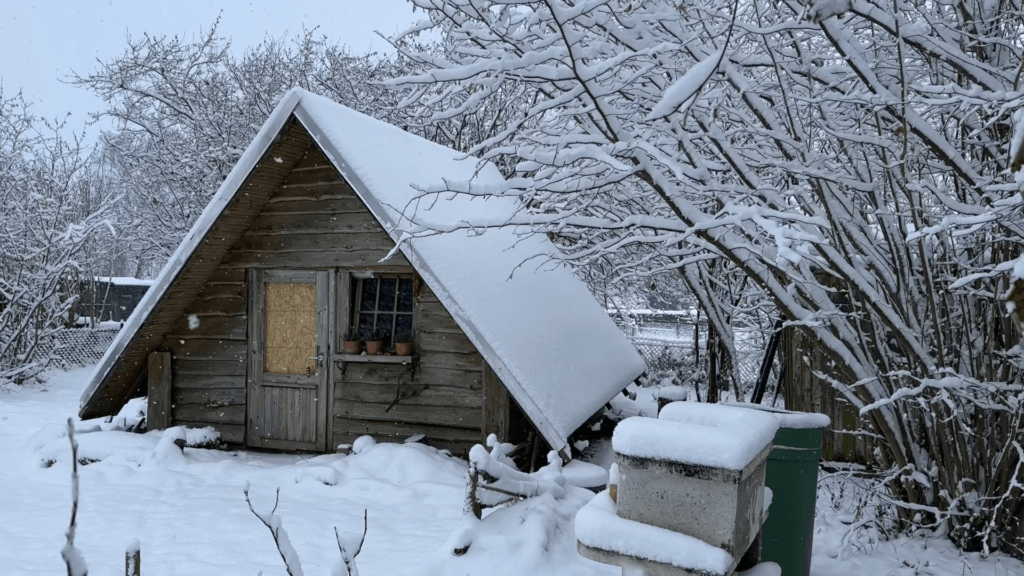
<point x="91" y="404"/>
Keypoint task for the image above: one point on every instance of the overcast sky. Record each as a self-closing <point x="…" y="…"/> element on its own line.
<point x="42" y="41"/>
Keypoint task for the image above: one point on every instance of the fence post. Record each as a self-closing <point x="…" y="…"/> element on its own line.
<point x="133" y="558"/>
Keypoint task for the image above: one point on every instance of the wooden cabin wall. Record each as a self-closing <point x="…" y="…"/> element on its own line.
<point x="444" y="400"/>
<point x="208" y="351"/>
<point x="314" y="220"/>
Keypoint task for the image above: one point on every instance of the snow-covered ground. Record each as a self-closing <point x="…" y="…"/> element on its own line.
<point x="189" y="513"/>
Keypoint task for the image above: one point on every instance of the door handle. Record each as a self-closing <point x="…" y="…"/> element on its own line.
<point x="319" y="359"/>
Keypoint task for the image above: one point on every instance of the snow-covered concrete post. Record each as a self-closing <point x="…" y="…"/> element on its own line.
<point x="690" y="497"/>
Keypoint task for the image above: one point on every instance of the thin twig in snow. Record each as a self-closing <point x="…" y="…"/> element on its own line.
<point x="72" y="556"/>
<point x="281" y="541"/>
<point x="349" y="562"/>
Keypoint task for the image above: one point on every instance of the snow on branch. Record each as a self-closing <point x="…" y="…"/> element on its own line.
<point x="346" y="565"/>
<point x="273" y="523"/>
<point x="860" y="175"/>
<point x="503" y="479"/>
<point x="72" y="556"/>
<point x="683" y="92"/>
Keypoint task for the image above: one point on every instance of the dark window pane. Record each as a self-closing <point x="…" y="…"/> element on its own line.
<point x="369" y="294"/>
<point x="387" y="294"/>
<point x="385" y="327"/>
<point x="403" y="328"/>
<point x="405" y="295"/>
<point x="365" y="326"/>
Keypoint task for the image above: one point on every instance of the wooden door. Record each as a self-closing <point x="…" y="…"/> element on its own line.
<point x="289" y="355"/>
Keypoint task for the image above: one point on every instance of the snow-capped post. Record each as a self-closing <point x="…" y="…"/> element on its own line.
<point x="73" y="558"/>
<point x="133" y="558"/>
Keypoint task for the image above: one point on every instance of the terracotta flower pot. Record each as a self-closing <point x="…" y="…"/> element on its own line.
<point x="374" y="347"/>
<point x="403" y="348"/>
<point x="352" y="346"/>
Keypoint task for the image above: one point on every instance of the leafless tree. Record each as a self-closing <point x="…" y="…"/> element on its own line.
<point x="849" y="160"/>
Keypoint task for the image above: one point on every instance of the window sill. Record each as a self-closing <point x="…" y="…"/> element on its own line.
<point x="380" y="358"/>
<point x="341" y="360"/>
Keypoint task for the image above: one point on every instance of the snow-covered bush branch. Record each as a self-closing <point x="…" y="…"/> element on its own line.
<point x="494" y="480"/>
<point x="272" y="521"/>
<point x="50" y="214"/>
<point x="346" y="564"/>
<point x="72" y="556"/>
<point x="185" y="110"/>
<point x="851" y="161"/>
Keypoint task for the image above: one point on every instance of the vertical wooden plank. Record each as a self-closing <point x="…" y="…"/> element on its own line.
<point x="417" y="313"/>
<point x="323" y="350"/>
<point x="334" y="344"/>
<point x="343" y="288"/>
<point x="158" y="413"/>
<point x="254" y="368"/>
<point x="496" y="405"/>
<point x="343" y="296"/>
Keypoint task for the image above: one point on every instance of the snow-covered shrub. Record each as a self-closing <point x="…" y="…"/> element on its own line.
<point x="851" y="163"/>
<point x="48" y="213"/>
<point x="185" y="108"/>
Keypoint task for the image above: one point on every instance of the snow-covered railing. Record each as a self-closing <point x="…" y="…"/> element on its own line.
<point x="495" y="480"/>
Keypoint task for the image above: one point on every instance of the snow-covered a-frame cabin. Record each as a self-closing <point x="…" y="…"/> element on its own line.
<point x="243" y="330"/>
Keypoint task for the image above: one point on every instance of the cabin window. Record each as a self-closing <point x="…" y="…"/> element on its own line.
<point x="383" y="309"/>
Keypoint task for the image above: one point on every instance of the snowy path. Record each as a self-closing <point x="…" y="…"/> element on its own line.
<point x="190" y="515"/>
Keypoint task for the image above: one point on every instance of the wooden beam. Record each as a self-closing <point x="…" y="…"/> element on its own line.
<point x="496" y="406"/>
<point x="158" y="415"/>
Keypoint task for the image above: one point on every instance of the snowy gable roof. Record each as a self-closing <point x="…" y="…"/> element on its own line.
<point x="538" y="327"/>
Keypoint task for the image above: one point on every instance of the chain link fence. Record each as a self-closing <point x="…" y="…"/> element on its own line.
<point x="666" y="343"/>
<point x="83" y="346"/>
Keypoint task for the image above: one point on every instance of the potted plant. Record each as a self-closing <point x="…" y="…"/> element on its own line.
<point x="352" y="344"/>
<point x="403" y="346"/>
<point x="374" y="344"/>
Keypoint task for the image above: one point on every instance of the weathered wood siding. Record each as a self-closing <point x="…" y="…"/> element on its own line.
<point x="806" y="392"/>
<point x="314" y="220"/>
<point x="208" y="346"/>
<point x="444" y="400"/>
<point x="288" y="148"/>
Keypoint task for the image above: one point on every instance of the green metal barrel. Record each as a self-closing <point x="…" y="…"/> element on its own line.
<point x="792" y="475"/>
